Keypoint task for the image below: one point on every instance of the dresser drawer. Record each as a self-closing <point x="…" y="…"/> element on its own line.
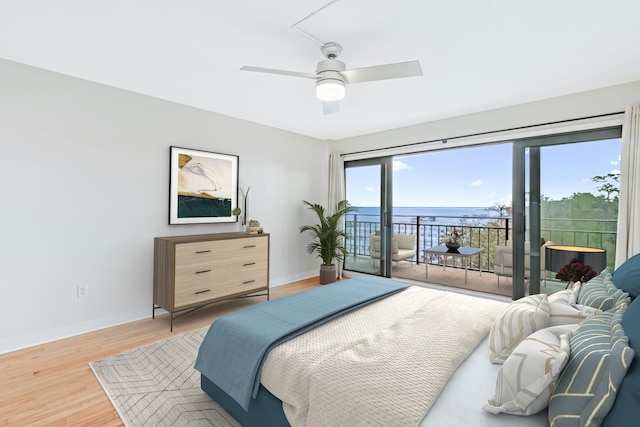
<point x="204" y="273"/>
<point x="203" y="268"/>
<point x="248" y="263"/>
<point x="248" y="247"/>
<point x="198" y="253"/>
<point x="250" y="278"/>
<point x="193" y="288"/>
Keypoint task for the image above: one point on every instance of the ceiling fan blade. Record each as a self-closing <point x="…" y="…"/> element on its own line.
<point x="383" y="72"/>
<point x="330" y="107"/>
<point x="274" y="71"/>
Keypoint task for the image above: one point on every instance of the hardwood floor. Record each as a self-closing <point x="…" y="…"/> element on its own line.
<point x="52" y="384"/>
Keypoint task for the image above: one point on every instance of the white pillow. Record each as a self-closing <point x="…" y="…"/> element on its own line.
<point x="568" y="296"/>
<point x="530" y="374"/>
<point x="563" y="314"/>
<point x="564" y="310"/>
<point x="574" y="293"/>
<point x="516" y="322"/>
<point x="560" y="296"/>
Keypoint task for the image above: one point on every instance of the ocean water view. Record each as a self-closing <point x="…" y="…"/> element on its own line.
<point x="431" y="215"/>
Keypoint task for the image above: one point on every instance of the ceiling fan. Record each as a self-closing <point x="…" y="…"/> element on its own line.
<point x="332" y="76"/>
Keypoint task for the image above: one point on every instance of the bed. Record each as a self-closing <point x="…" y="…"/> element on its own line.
<point x="406" y="357"/>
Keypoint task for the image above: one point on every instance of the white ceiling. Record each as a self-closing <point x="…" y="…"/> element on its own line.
<point x="475" y="54"/>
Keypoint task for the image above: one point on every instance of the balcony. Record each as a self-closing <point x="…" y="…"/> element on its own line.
<point x="480" y="232"/>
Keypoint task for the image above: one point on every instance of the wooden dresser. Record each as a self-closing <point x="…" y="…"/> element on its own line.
<point x="190" y="272"/>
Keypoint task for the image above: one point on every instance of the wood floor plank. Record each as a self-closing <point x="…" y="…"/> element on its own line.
<point x="52" y="384"/>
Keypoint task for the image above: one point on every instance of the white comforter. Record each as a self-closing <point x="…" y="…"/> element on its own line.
<point x="383" y="364"/>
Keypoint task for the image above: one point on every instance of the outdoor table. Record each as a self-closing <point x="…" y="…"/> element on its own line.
<point x="463" y="252"/>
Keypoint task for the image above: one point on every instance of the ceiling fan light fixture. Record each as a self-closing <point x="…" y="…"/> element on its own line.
<point x="332" y="76"/>
<point x="330" y="90"/>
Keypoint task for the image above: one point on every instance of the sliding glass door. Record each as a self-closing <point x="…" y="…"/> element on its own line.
<point x="565" y="192"/>
<point x="560" y="188"/>
<point x="368" y="188"/>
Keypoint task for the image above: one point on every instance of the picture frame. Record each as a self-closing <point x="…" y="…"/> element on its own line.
<point x="203" y="186"/>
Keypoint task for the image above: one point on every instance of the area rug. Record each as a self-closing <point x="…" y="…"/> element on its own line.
<point x="156" y="385"/>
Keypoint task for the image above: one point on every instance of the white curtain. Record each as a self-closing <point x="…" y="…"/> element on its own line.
<point x="628" y="238"/>
<point x="336" y="188"/>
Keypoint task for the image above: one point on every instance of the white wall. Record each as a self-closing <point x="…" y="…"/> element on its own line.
<point x="585" y="104"/>
<point x="85" y="181"/>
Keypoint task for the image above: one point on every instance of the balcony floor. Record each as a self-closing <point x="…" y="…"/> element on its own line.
<point x="486" y="282"/>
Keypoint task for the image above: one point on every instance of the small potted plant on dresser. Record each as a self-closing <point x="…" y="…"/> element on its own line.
<point x="328" y="238"/>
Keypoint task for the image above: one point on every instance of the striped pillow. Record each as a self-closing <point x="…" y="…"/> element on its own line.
<point x="561" y="296"/>
<point x="516" y="322"/>
<point x="620" y="298"/>
<point x="600" y="292"/>
<point x="564" y="314"/>
<point x="568" y="296"/>
<point x="600" y="357"/>
<point x="575" y="291"/>
<point x="625" y="408"/>
<point x="530" y="373"/>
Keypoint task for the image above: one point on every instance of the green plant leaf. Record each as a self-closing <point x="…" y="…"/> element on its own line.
<point x="328" y="239"/>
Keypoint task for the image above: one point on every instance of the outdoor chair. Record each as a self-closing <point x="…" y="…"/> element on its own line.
<point x="403" y="246"/>
<point x="504" y="260"/>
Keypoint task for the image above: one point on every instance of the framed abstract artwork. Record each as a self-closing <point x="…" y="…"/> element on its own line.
<point x="203" y="186"/>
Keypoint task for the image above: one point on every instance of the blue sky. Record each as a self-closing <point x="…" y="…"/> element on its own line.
<point x="481" y="176"/>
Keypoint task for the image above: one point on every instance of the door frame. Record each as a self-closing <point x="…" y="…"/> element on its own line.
<point x="385" y="204"/>
<point x="518" y="197"/>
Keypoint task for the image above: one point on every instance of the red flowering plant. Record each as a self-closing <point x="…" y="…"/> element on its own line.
<point x="576" y="271"/>
<point x="454" y="237"/>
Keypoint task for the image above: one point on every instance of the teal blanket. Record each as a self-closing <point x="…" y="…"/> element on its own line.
<point x="234" y="349"/>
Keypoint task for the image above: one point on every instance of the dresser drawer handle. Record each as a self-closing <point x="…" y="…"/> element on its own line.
<point x="203" y="271"/>
<point x="246" y="282"/>
<point x="248" y="264"/>
<point x="203" y="252"/>
<point x="203" y="292"/>
<point x="249" y="246"/>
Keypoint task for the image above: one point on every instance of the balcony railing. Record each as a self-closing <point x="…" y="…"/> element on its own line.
<point x="479" y="232"/>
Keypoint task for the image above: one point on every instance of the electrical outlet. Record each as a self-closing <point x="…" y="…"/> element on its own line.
<point x="83" y="290"/>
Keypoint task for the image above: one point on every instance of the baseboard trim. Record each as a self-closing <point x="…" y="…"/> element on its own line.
<point x="9" y="345"/>
<point x="42" y="337"/>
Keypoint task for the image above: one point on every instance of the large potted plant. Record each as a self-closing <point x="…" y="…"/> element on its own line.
<point x="328" y="238"/>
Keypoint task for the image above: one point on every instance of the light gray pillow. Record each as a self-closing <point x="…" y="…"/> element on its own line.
<point x="531" y="371"/>
<point x="516" y="322"/>
<point x="563" y="314"/>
